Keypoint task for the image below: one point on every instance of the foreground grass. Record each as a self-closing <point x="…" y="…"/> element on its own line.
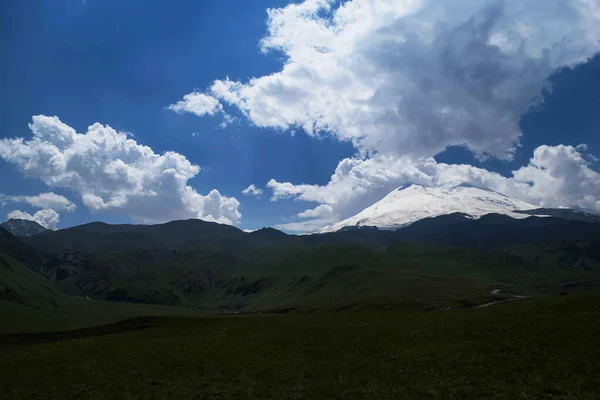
<point x="532" y="350"/>
<point x="75" y="313"/>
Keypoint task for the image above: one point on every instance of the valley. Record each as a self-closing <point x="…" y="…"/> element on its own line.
<point x="449" y="305"/>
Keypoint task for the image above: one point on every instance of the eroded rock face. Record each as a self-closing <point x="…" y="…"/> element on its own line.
<point x="61" y="266"/>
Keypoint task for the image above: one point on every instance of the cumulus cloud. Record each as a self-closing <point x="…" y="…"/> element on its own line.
<point x="561" y="176"/>
<point x="252" y="191"/>
<point x="113" y="172"/>
<point x="356" y="183"/>
<point x="197" y="103"/>
<point x="324" y="211"/>
<point x="556" y="176"/>
<point x="411" y="77"/>
<point x="48" y="200"/>
<point x="312" y="220"/>
<point x="303" y="227"/>
<point x="47" y="218"/>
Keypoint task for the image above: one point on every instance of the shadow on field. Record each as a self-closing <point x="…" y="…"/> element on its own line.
<point x="127" y="325"/>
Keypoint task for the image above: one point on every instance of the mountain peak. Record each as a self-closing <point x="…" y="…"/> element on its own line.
<point x="411" y="185"/>
<point x="23" y="227"/>
<point x="267" y="230"/>
<point x="467" y="185"/>
<point x="412" y="202"/>
<point x="472" y="185"/>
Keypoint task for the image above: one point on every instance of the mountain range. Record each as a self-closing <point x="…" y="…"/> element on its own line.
<point x="452" y="246"/>
<point x="398" y="209"/>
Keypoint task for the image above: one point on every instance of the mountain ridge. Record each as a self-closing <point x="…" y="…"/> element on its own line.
<point x="194" y="262"/>
<point x="410" y="203"/>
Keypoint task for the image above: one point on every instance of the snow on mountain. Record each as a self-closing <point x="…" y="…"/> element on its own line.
<point x="22" y="227"/>
<point x="410" y="203"/>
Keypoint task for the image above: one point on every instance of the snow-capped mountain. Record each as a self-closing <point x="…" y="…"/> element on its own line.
<point x="410" y="203"/>
<point x="22" y="227"/>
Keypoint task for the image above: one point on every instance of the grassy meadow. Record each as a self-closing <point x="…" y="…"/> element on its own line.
<point x="538" y="349"/>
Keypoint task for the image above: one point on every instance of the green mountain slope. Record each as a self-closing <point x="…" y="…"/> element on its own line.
<point x="21" y="284"/>
<point x="490" y="231"/>
<point x="577" y="262"/>
<point x="31" y="302"/>
<point x="583" y="255"/>
<point x="202" y="264"/>
<point x="302" y="276"/>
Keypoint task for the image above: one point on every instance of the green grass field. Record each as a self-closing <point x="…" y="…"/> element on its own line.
<point x="74" y="313"/>
<point x="538" y="349"/>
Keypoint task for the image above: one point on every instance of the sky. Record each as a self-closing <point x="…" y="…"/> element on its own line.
<point x="292" y="114"/>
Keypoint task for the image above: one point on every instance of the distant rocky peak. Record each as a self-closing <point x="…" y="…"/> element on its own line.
<point x="23" y="227"/>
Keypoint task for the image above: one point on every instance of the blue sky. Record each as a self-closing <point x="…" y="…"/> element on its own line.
<point x="123" y="63"/>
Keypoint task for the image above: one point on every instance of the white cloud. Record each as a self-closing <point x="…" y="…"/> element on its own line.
<point x="324" y="211"/>
<point x="197" y="103"/>
<point x="252" y="191"/>
<point x="411" y="77"/>
<point x="556" y="176"/>
<point x="43" y="200"/>
<point x="113" y="172"/>
<point x="561" y="176"/>
<point x="316" y="218"/>
<point x="300" y="227"/>
<point x="47" y="218"/>
<point x="355" y="184"/>
<point x="227" y="120"/>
